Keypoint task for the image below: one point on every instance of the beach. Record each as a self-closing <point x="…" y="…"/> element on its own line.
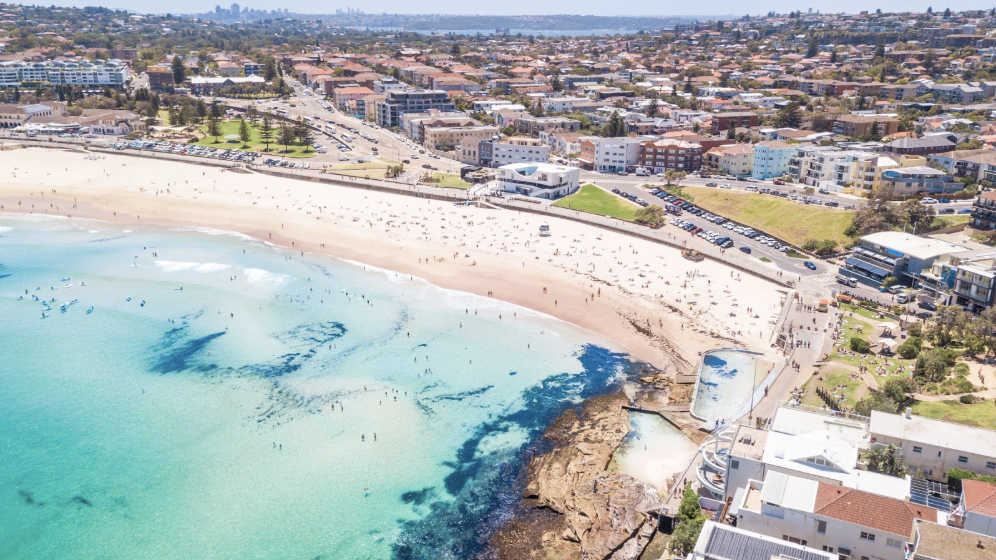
<point x="643" y="296"/>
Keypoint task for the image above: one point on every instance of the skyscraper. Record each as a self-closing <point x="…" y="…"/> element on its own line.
<point x="236" y="11"/>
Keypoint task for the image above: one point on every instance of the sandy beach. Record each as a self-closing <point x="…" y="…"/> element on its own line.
<point x="644" y="297"/>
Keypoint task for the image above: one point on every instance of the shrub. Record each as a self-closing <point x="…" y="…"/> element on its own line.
<point x="910" y="348"/>
<point x="961" y="369"/>
<point x="956" y="475"/>
<point x="860" y="345"/>
<point x="967" y="399"/>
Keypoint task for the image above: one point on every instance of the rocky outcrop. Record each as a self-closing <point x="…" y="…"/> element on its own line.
<point x="603" y="512"/>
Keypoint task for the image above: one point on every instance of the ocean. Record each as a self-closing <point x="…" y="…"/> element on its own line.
<point x="169" y="393"/>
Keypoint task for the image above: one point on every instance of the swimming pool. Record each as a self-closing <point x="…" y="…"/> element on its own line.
<point x="653" y="450"/>
<point x="727" y="377"/>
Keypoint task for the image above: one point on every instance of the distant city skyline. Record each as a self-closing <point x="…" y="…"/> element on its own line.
<point x="524" y="7"/>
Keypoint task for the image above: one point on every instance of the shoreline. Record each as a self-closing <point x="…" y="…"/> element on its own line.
<point x="123" y="190"/>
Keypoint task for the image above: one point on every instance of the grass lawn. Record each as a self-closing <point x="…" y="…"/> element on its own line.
<point x="255" y="142"/>
<point x="949" y="220"/>
<point x="449" y="181"/>
<point x="982" y="414"/>
<point x="831" y="379"/>
<point x="597" y="201"/>
<point x="868" y="323"/>
<point x="791" y="221"/>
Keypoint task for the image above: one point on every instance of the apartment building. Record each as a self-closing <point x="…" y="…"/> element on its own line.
<point x="160" y="78"/>
<point x="856" y="126"/>
<point x="449" y="137"/>
<point x="398" y="103"/>
<point x="732" y="159"/>
<point x="907" y="181"/>
<point x="113" y="73"/>
<point x="534" y="125"/>
<point x="904" y="256"/>
<point x="515" y="149"/>
<point x="610" y="155"/>
<point x="932" y="447"/>
<point x="771" y="159"/>
<point x="721" y="121"/>
<point x="662" y="155"/>
<point x="983" y="211"/>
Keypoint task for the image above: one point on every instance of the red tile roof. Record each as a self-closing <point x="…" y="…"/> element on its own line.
<point x="980" y="497"/>
<point x="876" y="512"/>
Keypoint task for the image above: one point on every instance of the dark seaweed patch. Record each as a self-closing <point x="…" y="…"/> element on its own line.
<point x="179" y="357"/>
<point x="418" y="497"/>
<point x="486" y="485"/>
<point x="80" y="500"/>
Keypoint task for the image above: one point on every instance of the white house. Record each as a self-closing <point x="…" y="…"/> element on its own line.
<point x="934" y="446"/>
<point x="851" y="523"/>
<point x="723" y="542"/>
<point x="541" y="180"/>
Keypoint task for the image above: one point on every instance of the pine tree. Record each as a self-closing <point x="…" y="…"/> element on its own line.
<point x="244" y="133"/>
<point x="731" y="133"/>
<point x="179" y="70"/>
<point x="302" y="132"/>
<point x="652" y="108"/>
<point x="266" y="131"/>
<point x="285" y="136"/>
<point x="214" y="128"/>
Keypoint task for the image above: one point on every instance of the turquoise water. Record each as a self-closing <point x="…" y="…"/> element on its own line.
<point x="279" y="405"/>
<point x="653" y="450"/>
<point x="726" y="382"/>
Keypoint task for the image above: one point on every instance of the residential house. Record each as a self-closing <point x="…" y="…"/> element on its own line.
<point x="934" y="144"/>
<point x="721" y="121"/>
<point x="856" y="126"/>
<point x="977" y="510"/>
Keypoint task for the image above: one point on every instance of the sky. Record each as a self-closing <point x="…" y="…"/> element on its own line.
<point x="523" y="7"/>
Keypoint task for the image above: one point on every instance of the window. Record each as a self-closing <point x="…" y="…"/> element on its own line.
<point x="917" y="449"/>
<point x="843" y="553"/>
<point x="893" y="543"/>
<point x="962" y="459"/>
<point x="793" y="540"/>
<point x="870" y="537"/>
<point x="821" y="527"/>
<point x="735" y="464"/>
<point x="990" y="465"/>
<point x="827" y="548"/>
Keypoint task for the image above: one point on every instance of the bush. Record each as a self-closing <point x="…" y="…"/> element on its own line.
<point x="967" y="399"/>
<point x="956" y="475"/>
<point x="910" y="348"/>
<point x="961" y="369"/>
<point x="860" y="345"/>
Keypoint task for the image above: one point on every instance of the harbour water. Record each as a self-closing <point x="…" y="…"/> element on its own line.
<point x="226" y="399"/>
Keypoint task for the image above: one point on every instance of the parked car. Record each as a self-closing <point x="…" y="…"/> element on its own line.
<point x="778" y="182"/>
<point x="965" y="211"/>
<point x="929" y="200"/>
<point x="927" y="305"/>
<point x="745" y="249"/>
<point x="947" y="211"/>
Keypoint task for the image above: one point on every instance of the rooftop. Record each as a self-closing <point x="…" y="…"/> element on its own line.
<point x="938" y="433"/>
<point x="918" y="247"/>
<point x="722" y="542"/>
<point x="979" y="497"/>
<point x="940" y="542"/>
<point x="870" y="510"/>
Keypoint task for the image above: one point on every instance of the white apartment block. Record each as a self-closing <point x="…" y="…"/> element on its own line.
<point x="616" y="154"/>
<point x="113" y="73"/>
<point x="932" y="447"/>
